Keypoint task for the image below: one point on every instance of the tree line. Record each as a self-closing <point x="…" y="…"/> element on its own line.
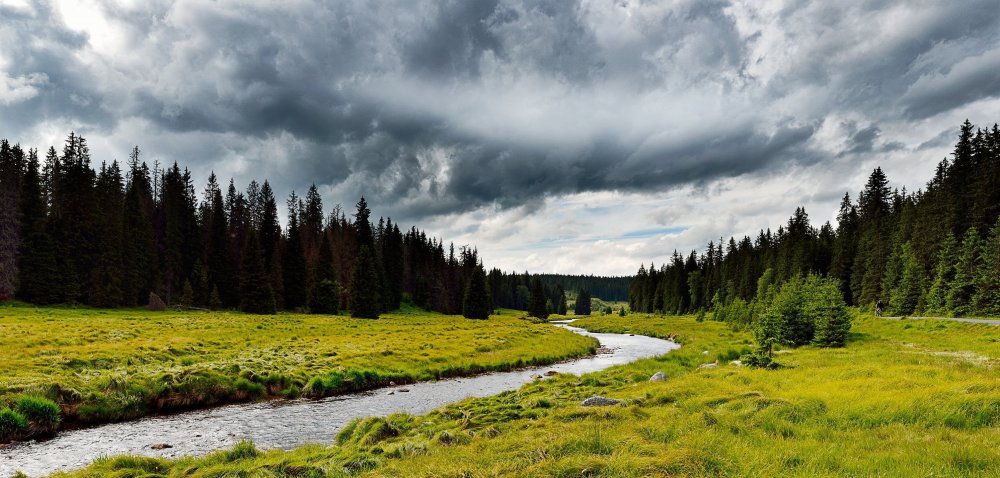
<point x="115" y="235"/>
<point x="932" y="251"/>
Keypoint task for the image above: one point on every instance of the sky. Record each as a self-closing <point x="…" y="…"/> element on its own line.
<point x="562" y="136"/>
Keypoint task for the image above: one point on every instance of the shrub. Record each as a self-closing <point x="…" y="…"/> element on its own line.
<point x="12" y="424"/>
<point x="803" y="311"/>
<point x="42" y="413"/>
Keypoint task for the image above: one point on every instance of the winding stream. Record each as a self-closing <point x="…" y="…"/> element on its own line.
<point x="288" y="424"/>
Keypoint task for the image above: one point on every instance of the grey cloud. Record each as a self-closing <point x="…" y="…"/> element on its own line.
<point x="497" y="102"/>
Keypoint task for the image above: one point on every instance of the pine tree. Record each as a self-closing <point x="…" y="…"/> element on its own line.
<point x="324" y="298"/>
<point x="477" y="303"/>
<point x="986" y="300"/>
<point x="561" y="307"/>
<point x="937" y="296"/>
<point x="536" y="301"/>
<point x="10" y="221"/>
<point x="366" y="286"/>
<point x="39" y="272"/>
<point x="582" y="306"/>
<point x="256" y="296"/>
<point x="825" y="308"/>
<point x="904" y="297"/>
<point x="105" y="279"/>
<point x="365" y="300"/>
<point x="294" y="265"/>
<point x="139" y="259"/>
<point x="963" y="287"/>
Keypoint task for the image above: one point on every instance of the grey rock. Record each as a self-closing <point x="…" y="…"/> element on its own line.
<point x="708" y="365"/>
<point x="658" y="377"/>
<point x="161" y="446"/>
<point x="597" y="401"/>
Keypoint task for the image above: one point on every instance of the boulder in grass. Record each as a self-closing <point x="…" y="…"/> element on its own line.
<point x="658" y="377"/>
<point x="598" y="401"/>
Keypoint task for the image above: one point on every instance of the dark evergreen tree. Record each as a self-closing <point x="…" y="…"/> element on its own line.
<point x="366" y="301"/>
<point x="477" y="303"/>
<point x="582" y="302"/>
<point x="963" y="286"/>
<point x="139" y="258"/>
<point x="256" y="296"/>
<point x="536" y="301"/>
<point x="10" y="221"/>
<point x="294" y="265"/>
<point x="324" y="298"/>
<point x="106" y="277"/>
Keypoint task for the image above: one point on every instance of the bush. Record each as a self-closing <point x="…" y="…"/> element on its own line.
<point x="12" y="424"/>
<point x="42" y="413"/>
<point x="803" y="311"/>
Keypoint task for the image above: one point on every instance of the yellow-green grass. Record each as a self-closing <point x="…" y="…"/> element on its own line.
<point x="918" y="398"/>
<point x="107" y="365"/>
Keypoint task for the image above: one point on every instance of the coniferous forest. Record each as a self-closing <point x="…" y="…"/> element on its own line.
<point x="114" y="235"/>
<point x="934" y="251"/>
<point x="111" y="236"/>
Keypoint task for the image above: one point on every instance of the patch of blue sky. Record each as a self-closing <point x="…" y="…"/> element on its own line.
<point x="659" y="231"/>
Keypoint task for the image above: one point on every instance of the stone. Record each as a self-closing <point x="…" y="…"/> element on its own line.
<point x="404" y="390"/>
<point x="598" y="401"/>
<point x="708" y="365"/>
<point x="551" y="373"/>
<point x="658" y="377"/>
<point x="160" y="446"/>
<point x="390" y="392"/>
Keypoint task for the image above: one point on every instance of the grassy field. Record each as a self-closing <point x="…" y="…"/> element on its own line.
<point x="917" y="398"/>
<point x="107" y="365"/>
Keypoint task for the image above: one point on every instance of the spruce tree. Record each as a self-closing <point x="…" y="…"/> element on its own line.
<point x="365" y="287"/>
<point x="139" y="260"/>
<point x="256" y="296"/>
<point x="536" y="301"/>
<point x="324" y="298"/>
<point x="937" y="296"/>
<point x="561" y="307"/>
<point x="39" y="271"/>
<point x="477" y="303"/>
<point x="294" y="265"/>
<point x="10" y="221"/>
<point x="904" y="298"/>
<point x="825" y="308"/>
<point x="986" y="300"/>
<point x="582" y="306"/>
<point x="963" y="287"/>
<point x="106" y="277"/>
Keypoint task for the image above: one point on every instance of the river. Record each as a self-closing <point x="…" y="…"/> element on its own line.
<point x="291" y="423"/>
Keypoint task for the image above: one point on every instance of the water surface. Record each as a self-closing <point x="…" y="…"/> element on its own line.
<point x="291" y="423"/>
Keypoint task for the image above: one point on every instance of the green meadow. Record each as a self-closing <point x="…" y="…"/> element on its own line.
<point x="904" y="398"/>
<point x="109" y="365"/>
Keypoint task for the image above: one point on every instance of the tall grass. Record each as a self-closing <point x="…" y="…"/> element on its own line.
<point x="902" y="399"/>
<point x="97" y="366"/>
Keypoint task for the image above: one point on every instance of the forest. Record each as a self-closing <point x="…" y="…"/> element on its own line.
<point x="111" y="236"/>
<point x="934" y="251"/>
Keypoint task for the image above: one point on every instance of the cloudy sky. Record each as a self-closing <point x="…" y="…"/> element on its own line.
<point x="557" y="136"/>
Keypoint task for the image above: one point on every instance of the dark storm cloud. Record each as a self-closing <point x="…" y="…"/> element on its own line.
<point x="438" y="107"/>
